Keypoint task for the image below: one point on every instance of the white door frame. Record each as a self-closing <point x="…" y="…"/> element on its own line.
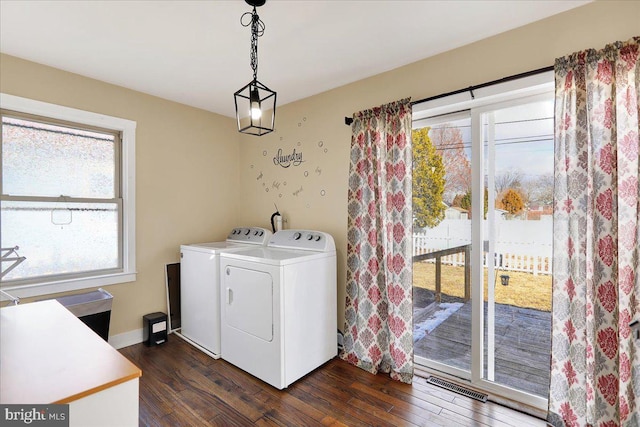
<point x="539" y="88"/>
<point x="478" y="238"/>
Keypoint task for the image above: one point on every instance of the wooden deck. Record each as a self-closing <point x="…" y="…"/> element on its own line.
<point x="522" y="337"/>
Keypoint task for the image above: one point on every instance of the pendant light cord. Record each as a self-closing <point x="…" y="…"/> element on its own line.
<point x="257" y="30"/>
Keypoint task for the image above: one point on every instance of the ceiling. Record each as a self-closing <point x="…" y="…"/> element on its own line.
<point x="197" y="52"/>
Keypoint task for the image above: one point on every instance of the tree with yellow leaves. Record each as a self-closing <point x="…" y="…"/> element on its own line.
<point x="512" y="202"/>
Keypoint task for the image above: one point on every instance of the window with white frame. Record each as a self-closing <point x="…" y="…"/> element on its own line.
<point x="67" y="179"/>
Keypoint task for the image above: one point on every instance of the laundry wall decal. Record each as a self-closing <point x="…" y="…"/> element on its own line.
<point x="275" y="167"/>
<point x="286" y="160"/>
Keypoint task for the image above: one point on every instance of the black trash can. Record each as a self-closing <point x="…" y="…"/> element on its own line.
<point x="155" y="328"/>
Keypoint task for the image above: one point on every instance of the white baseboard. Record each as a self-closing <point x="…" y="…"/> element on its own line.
<point x="126" y="339"/>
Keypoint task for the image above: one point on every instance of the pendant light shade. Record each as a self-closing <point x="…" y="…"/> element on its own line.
<point x="255" y="103"/>
<point x="255" y="108"/>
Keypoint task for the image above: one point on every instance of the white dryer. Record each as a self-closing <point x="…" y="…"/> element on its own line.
<point x="200" y="286"/>
<point x="279" y="315"/>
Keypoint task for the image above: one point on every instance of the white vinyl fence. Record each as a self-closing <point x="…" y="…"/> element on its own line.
<point x="520" y="245"/>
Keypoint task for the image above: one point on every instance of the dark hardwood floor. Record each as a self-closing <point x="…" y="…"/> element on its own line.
<point x="181" y="386"/>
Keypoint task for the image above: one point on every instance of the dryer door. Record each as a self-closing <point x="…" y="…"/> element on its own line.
<point x="248" y="301"/>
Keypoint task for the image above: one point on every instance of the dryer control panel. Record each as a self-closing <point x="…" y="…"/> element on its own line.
<point x="308" y="240"/>
<point x="253" y="235"/>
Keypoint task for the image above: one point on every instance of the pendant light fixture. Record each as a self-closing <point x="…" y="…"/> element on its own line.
<point x="255" y="103"/>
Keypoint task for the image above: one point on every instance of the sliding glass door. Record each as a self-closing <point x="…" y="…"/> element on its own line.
<point x="442" y="243"/>
<point x="518" y="231"/>
<point x="482" y="263"/>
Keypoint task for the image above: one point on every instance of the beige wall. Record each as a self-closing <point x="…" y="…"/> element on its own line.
<point x="192" y="165"/>
<point x="301" y="125"/>
<point x="186" y="167"/>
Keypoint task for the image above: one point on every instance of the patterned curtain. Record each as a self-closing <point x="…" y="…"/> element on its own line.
<point x="379" y="306"/>
<point x="595" y="365"/>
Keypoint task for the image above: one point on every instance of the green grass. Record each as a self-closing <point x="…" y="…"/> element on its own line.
<point x="524" y="289"/>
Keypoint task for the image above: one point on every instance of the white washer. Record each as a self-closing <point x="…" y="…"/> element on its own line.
<point x="279" y="315"/>
<point x="200" y="286"/>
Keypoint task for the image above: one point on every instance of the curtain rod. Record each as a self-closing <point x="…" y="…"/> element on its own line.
<point x="470" y="89"/>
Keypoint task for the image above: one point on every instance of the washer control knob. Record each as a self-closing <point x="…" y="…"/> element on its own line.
<point x="310" y="237"/>
<point x="318" y="238"/>
<point x="246" y="233"/>
<point x="297" y="236"/>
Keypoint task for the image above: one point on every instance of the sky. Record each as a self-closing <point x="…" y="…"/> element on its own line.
<point x="523" y="137"/>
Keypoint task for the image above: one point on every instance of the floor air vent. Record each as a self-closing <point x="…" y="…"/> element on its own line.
<point x="457" y="389"/>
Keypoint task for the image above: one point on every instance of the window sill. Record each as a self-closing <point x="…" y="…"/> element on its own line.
<point x="54" y="287"/>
